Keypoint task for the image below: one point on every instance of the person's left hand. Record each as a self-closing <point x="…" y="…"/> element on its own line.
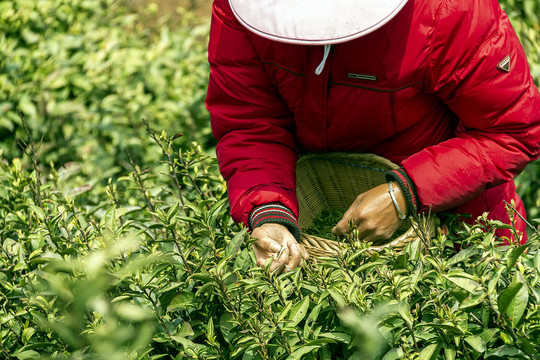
<point x="374" y="214"/>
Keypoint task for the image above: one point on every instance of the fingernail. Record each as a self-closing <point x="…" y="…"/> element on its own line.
<point x="275" y="247"/>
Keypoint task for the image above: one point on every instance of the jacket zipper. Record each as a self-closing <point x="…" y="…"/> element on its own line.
<point x="325" y="72"/>
<point x="320" y="68"/>
<point x="315" y="120"/>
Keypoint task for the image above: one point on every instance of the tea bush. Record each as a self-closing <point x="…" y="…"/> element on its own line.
<point x="116" y="240"/>
<point x="84" y="72"/>
<point x="159" y="270"/>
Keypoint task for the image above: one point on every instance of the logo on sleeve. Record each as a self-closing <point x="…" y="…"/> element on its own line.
<point x="504" y="65"/>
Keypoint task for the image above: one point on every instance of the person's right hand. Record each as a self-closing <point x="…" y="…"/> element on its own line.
<point x="270" y="240"/>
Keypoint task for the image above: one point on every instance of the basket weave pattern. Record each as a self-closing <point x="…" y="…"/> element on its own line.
<point x="333" y="181"/>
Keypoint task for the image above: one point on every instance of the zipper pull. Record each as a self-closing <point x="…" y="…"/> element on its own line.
<point x="320" y="68"/>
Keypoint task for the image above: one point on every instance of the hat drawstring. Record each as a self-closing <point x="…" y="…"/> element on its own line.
<point x="320" y="68"/>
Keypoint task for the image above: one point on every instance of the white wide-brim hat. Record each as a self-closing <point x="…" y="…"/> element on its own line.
<point x="314" y="22"/>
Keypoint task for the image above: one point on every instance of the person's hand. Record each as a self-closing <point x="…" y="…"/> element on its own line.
<point x="275" y="240"/>
<point x="374" y="214"/>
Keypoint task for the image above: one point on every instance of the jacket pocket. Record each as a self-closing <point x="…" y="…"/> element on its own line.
<point x="359" y="118"/>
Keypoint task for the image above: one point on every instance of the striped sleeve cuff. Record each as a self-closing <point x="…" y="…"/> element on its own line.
<point x="275" y="213"/>
<point x="408" y="189"/>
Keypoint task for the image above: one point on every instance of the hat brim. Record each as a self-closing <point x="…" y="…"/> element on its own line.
<point x="311" y="22"/>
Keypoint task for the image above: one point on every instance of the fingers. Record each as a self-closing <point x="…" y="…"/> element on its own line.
<point x="268" y="244"/>
<point x="305" y="254"/>
<point x="372" y="214"/>
<point x="370" y="237"/>
<point x="266" y="247"/>
<point x="276" y="242"/>
<point x="342" y="227"/>
<point x="279" y="265"/>
<point x="366" y="231"/>
<point x="292" y="256"/>
<point x="295" y="255"/>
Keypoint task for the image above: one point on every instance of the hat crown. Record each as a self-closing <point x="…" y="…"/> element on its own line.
<point x="314" y="22"/>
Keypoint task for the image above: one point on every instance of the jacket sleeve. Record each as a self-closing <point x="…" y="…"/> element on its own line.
<point x="499" y="111"/>
<point x="256" y="149"/>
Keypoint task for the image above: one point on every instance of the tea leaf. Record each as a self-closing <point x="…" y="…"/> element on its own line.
<point x="513" y="300"/>
<point x="38" y="211"/>
<point x="492" y="285"/>
<point x="477" y="343"/>
<point x="236" y="242"/>
<point x="405" y="313"/>
<point x="303" y="350"/>
<point x="311" y="320"/>
<point x="186" y="343"/>
<point x="210" y="330"/>
<point x="27" y="355"/>
<point x="464" y="281"/>
<point x="185" y="330"/>
<point x="506" y="300"/>
<point x="173" y="210"/>
<point x="473" y="300"/>
<point x="446" y="327"/>
<point x="521" y="299"/>
<point x="394" y="354"/>
<point x="109" y="220"/>
<point x="505" y="352"/>
<point x="449" y="353"/>
<point x="514" y="256"/>
<point x="298" y="312"/>
<point x="285" y="311"/>
<point x="430" y="351"/>
<point x="463" y="255"/>
<point x="181" y="302"/>
<point x="338" y="298"/>
<point x="337" y="336"/>
<point x="226" y="325"/>
<point x="488" y="334"/>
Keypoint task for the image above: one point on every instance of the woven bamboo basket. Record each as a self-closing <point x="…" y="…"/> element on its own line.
<point x="332" y="181"/>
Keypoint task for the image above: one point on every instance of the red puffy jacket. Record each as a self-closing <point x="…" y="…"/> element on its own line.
<point x="428" y="90"/>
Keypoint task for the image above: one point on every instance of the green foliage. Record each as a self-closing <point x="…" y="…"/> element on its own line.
<point x="116" y="241"/>
<point x="84" y="72"/>
<point x="526" y="22"/>
<point x="158" y="270"/>
<point x="525" y="18"/>
<point x="324" y="222"/>
<point x="100" y="275"/>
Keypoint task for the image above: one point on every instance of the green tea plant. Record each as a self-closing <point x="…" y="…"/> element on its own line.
<point x="101" y="278"/>
<point x="84" y="72"/>
<point x="116" y="240"/>
<point x="153" y="267"/>
<point x="323" y="223"/>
